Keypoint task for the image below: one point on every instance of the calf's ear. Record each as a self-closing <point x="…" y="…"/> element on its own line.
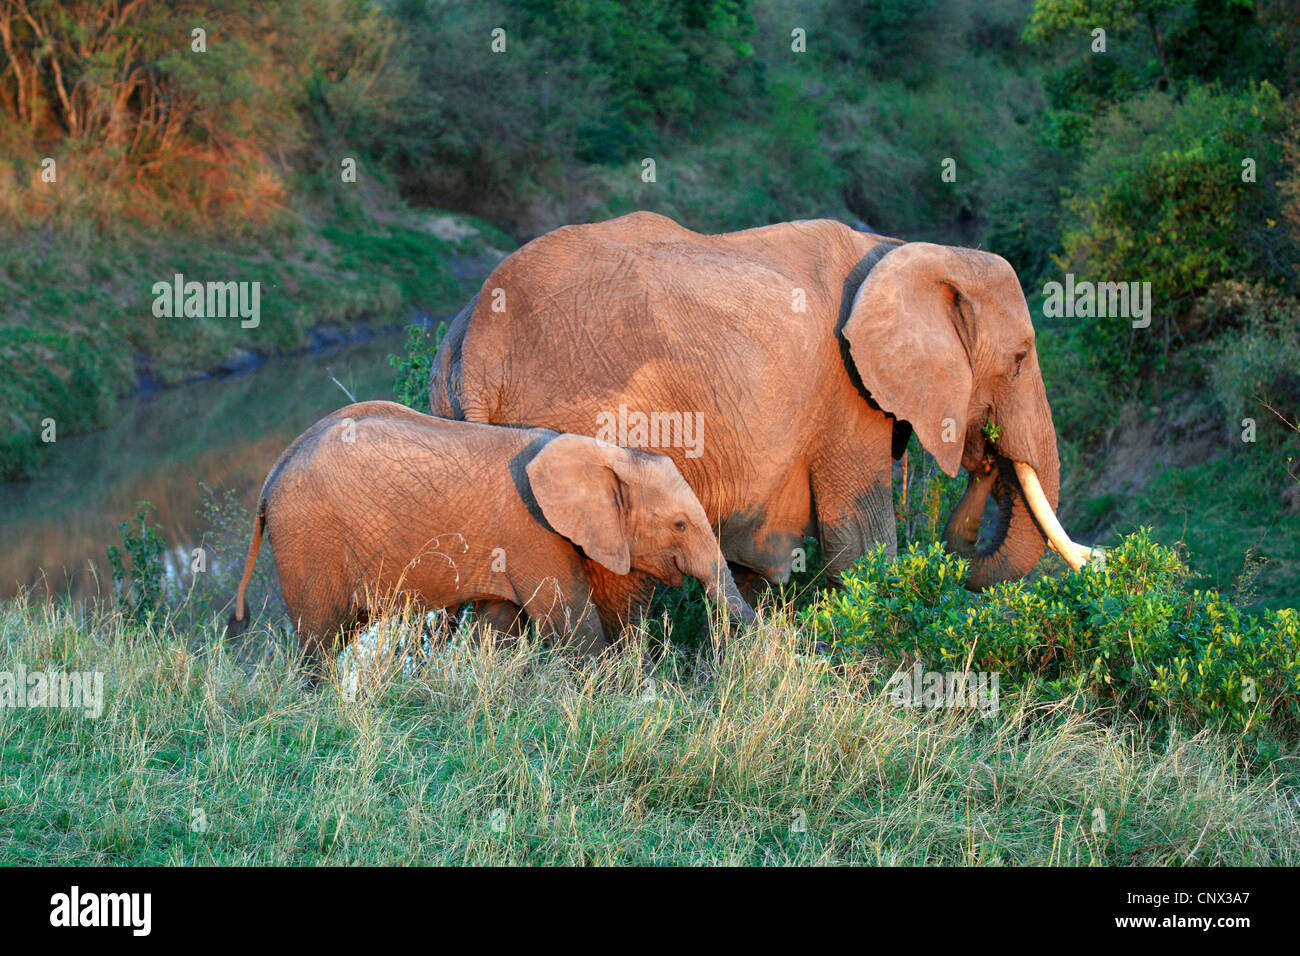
<point x="582" y="497"/>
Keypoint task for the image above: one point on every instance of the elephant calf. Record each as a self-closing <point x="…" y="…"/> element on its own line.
<point x="377" y="500"/>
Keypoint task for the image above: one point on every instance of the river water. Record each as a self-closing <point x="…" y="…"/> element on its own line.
<point x="163" y="448"/>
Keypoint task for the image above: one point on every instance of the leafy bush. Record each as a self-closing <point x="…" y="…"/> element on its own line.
<point x="1162" y="42"/>
<point x="594" y="81"/>
<point x="1130" y="635"/>
<point x="415" y="365"/>
<point x="202" y="597"/>
<point x="1161" y="199"/>
<point x="139" y="585"/>
<point x="196" y="593"/>
<point x="1258" y="369"/>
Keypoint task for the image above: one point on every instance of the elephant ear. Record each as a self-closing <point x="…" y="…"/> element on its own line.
<point x="905" y="331"/>
<point x="582" y="497"/>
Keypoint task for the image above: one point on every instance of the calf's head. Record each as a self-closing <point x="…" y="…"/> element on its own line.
<point x="631" y="510"/>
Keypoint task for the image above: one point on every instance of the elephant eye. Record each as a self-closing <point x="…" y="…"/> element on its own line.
<point x="679" y="525"/>
<point x="1020" y="358"/>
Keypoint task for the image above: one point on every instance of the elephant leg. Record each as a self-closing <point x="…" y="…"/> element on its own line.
<point x="321" y="639"/>
<point x="503" y="621"/>
<point x="621" y="599"/>
<point x="568" y="619"/>
<point x="854" y="497"/>
<point x="856" y="529"/>
<point x="324" y="621"/>
<point x="763" y="540"/>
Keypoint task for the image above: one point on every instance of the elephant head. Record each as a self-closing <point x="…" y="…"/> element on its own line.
<point x="631" y="510"/>
<point x="941" y="338"/>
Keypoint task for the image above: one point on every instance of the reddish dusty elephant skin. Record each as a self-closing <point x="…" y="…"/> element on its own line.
<point x="809" y="350"/>
<point x="377" y="502"/>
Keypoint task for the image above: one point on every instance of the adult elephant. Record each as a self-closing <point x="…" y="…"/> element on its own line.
<point x="810" y="353"/>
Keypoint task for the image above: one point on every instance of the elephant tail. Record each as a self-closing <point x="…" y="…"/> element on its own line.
<point x="238" y="621"/>
<point x="446" y="395"/>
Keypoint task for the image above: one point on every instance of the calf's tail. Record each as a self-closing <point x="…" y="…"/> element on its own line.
<point x="238" y="621"/>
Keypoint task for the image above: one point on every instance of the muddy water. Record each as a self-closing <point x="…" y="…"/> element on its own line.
<point x="163" y="448"/>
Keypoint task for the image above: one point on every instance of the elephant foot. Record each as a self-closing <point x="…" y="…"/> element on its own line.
<point x="503" y="622"/>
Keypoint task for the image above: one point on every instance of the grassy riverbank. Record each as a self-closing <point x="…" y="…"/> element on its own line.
<point x="78" y="326"/>
<point x="209" y="755"/>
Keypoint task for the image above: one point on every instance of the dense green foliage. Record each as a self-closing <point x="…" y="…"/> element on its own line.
<point x="414" y="366"/>
<point x="1162" y="199"/>
<point x="1129" y="635"/>
<point x="1148" y="143"/>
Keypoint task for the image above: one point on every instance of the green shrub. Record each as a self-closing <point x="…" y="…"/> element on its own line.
<point x="202" y="596"/>
<point x="415" y="365"/>
<point x="483" y="133"/>
<point x="1161" y="199"/>
<point x="1257" y="369"/>
<point x="139" y="585"/>
<point x="197" y="593"/>
<point x="1129" y="634"/>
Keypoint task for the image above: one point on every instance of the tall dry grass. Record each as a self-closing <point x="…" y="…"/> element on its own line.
<point x="462" y="752"/>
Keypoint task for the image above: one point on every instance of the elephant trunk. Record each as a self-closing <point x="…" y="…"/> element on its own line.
<point x="721" y="588"/>
<point x="961" y="533"/>
<point x="1015" y="545"/>
<point x="1025" y="482"/>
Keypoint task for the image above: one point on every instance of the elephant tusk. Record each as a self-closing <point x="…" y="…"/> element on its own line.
<point x="1075" y="555"/>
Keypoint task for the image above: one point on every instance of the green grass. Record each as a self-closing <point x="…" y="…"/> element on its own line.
<point x="490" y="756"/>
<point x="1229" y="520"/>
